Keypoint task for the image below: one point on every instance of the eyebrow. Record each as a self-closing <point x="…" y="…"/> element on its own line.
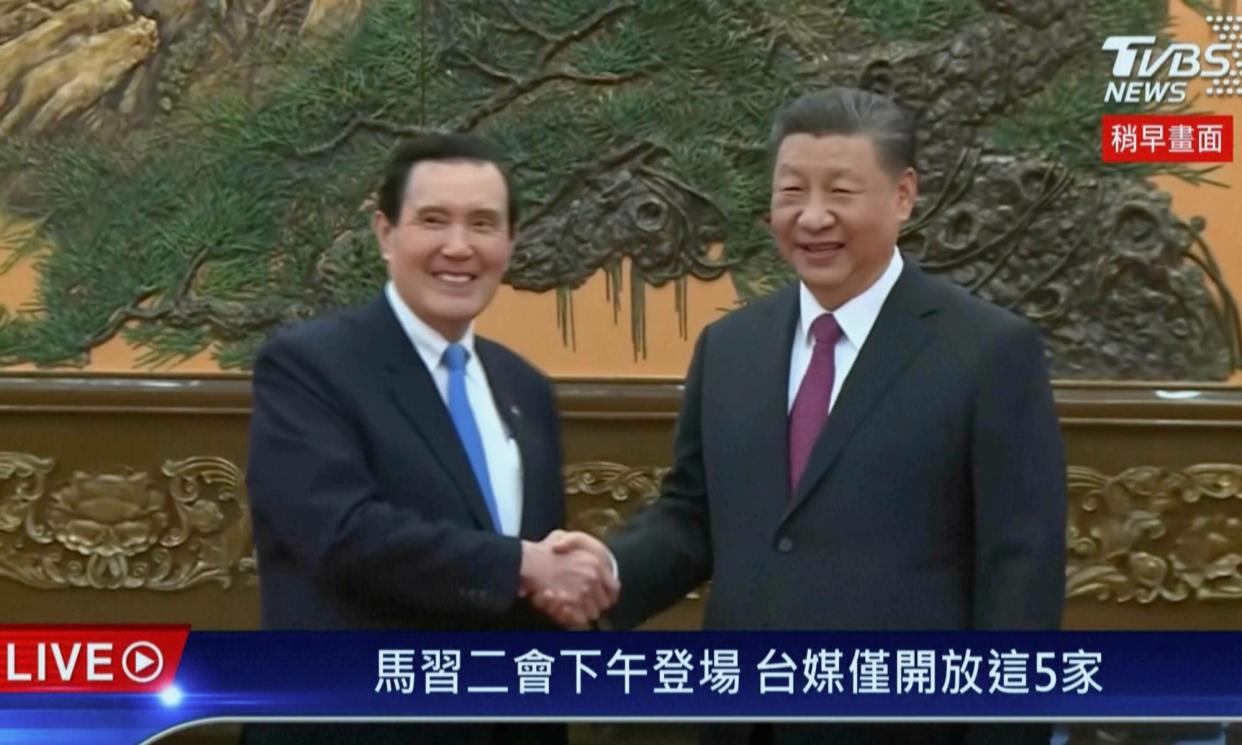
<point x="470" y="211"/>
<point x="788" y="170"/>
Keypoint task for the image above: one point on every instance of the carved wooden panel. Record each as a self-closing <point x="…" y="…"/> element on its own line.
<point x="626" y="489"/>
<point x="1154" y="534"/>
<point x="1146" y="534"/>
<point x="124" y="530"/>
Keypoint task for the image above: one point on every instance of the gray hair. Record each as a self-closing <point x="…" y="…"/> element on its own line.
<point x="849" y="111"/>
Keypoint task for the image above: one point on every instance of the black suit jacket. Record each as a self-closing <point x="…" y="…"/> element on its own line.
<point x="935" y="497"/>
<point x="366" y="512"/>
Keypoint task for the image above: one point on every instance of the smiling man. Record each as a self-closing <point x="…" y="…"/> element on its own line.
<point x="403" y="470"/>
<point x="872" y="448"/>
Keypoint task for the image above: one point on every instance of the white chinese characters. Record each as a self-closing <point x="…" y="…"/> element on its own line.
<point x="720" y="672"/>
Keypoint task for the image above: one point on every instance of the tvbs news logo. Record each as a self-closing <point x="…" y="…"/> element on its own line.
<point x="90" y="659"/>
<point x="1144" y="73"/>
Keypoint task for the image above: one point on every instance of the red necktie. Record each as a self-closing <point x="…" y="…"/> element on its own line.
<point x="810" y="409"/>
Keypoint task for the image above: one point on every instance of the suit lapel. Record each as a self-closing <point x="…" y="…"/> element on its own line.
<point x="764" y="393"/>
<point x="414" y="391"/>
<point x="899" y="333"/>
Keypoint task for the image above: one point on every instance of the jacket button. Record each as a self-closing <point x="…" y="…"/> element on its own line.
<point x="785" y="545"/>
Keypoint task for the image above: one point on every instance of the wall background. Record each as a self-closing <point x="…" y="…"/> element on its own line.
<point x="178" y="177"/>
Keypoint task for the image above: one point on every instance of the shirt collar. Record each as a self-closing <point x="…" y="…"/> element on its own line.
<point x="857" y="315"/>
<point x="426" y="340"/>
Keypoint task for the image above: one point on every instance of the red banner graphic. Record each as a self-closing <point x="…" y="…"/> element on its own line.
<point x="1166" y="138"/>
<point x="89" y="659"/>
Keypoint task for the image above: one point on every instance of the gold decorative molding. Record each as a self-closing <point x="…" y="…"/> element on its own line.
<point x="1144" y="535"/>
<point x="1150" y="534"/>
<point x="628" y="489"/>
<point x="124" y="531"/>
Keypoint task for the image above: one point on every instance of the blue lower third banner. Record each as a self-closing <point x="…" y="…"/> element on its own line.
<point x="59" y="690"/>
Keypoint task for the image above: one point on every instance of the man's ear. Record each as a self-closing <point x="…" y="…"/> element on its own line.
<point x="907" y="193"/>
<point x="383" y="233"/>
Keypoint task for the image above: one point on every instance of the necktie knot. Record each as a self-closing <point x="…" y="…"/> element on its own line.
<point x="826" y="330"/>
<point x="455" y="357"/>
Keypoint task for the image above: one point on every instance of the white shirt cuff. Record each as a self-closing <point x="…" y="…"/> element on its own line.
<point x="616" y="571"/>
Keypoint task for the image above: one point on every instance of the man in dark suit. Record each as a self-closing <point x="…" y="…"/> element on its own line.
<point x="402" y="470"/>
<point x="871" y="449"/>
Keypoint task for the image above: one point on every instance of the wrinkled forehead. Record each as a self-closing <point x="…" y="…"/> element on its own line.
<point x="827" y="156"/>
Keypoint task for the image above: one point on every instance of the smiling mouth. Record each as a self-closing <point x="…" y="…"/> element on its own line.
<point x="457" y="279"/>
<point x="821" y="247"/>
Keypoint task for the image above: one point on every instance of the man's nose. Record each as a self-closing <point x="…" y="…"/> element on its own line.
<point x="816" y="216"/>
<point x="457" y="243"/>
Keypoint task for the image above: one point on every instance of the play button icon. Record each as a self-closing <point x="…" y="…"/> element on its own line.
<point x="142" y="662"/>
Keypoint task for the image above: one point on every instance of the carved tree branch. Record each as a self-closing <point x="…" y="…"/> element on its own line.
<point x="554" y="44"/>
<point x="220" y="316"/>
<point x="588" y="27"/>
<point x="515" y="86"/>
<point x="361" y="122"/>
<point x="488" y="70"/>
<point x="182" y="310"/>
<point x="116" y="321"/>
<point x="521" y="24"/>
<point x="502" y="98"/>
<point x="738" y="146"/>
<point x="579" y="77"/>
<point x="636" y="151"/>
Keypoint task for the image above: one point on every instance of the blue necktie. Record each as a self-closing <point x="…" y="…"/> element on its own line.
<point x="455" y="358"/>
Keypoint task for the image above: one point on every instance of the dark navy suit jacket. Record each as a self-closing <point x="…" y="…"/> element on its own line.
<point x="935" y="497"/>
<point x="366" y="511"/>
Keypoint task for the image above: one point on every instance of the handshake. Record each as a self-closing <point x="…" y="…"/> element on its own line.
<point x="569" y="577"/>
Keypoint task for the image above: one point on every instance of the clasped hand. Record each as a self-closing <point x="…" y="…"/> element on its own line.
<point x="569" y="577"/>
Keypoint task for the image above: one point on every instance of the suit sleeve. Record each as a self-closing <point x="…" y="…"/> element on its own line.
<point x="1020" y="492"/>
<point x="313" y="494"/>
<point x="666" y="551"/>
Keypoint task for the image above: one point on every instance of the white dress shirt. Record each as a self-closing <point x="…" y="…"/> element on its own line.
<point x="855" y="317"/>
<point x="504" y="458"/>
